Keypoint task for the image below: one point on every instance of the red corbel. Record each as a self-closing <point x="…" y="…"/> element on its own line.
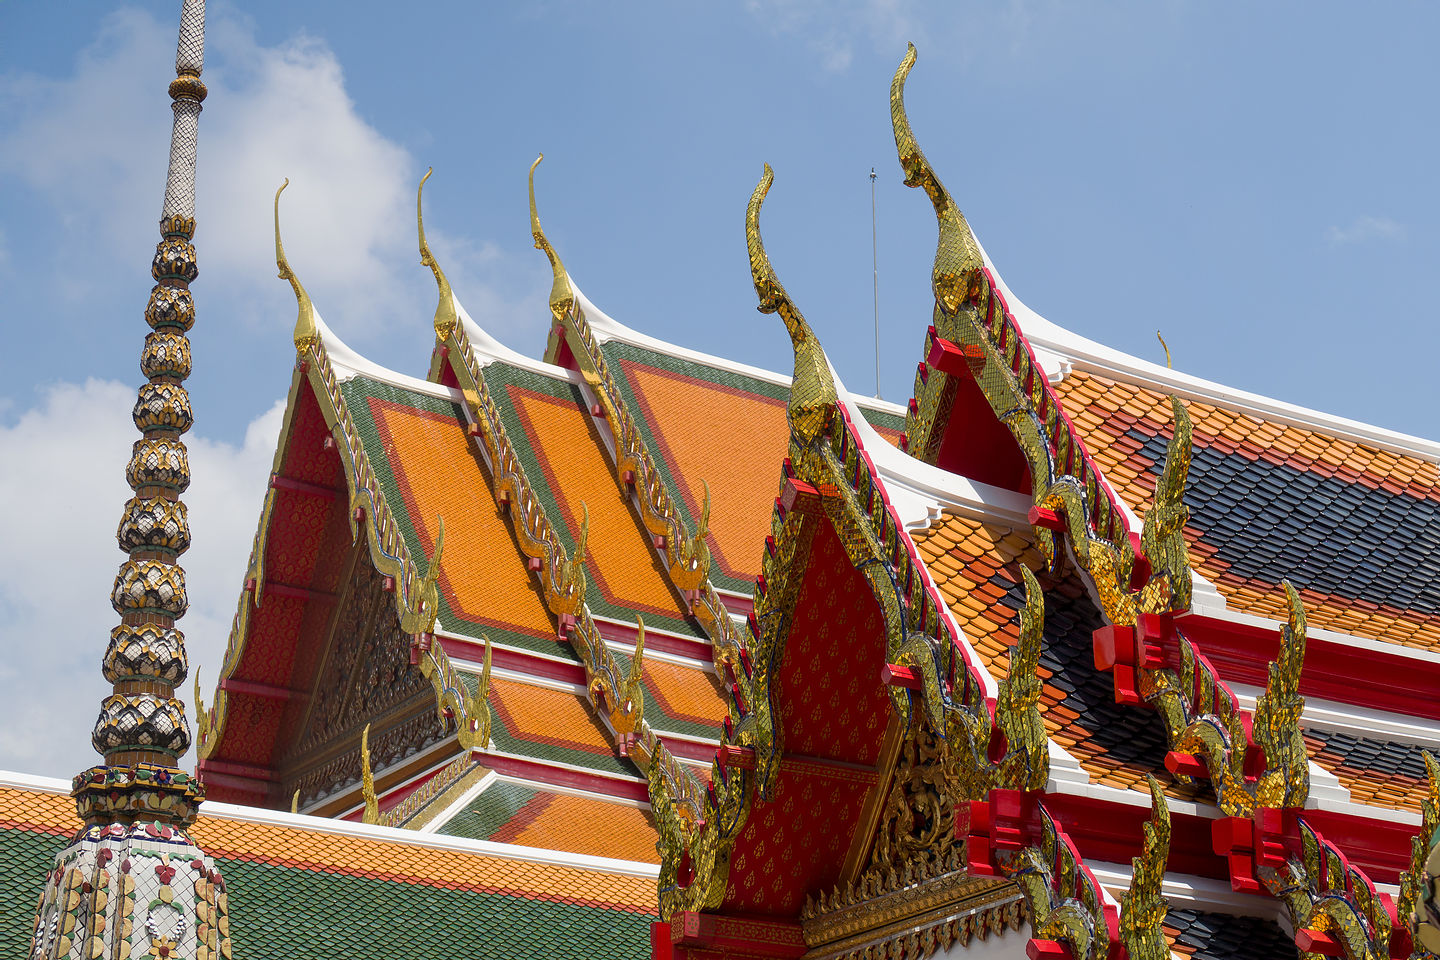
<point x="1047" y="519"/>
<point x="737" y="758"/>
<point x="952" y="358"/>
<point x="894" y="675"/>
<point x="1325" y="944"/>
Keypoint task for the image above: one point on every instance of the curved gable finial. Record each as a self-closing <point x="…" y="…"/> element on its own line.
<point x="562" y="298"/>
<point x="812" y="392"/>
<point x="307" y="332"/>
<point x="959" y="264"/>
<point x="446" y="316"/>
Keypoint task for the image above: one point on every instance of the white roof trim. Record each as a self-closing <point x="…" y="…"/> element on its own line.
<point x="488" y="350"/>
<point x="430" y="841"/>
<point x="348" y="364"/>
<point x="607" y="328"/>
<point x="1190" y="892"/>
<point x="1087" y="355"/>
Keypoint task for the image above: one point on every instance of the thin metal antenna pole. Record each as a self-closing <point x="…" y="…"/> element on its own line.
<point x="875" y="272"/>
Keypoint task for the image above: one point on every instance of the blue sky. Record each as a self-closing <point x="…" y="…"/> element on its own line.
<point x="1256" y="181"/>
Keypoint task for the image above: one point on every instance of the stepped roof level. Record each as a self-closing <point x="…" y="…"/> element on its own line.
<point x="632" y="650"/>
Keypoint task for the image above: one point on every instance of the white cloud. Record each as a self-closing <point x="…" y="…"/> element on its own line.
<point x="62" y="477"/>
<point x="1365" y="229"/>
<point x="94" y="144"/>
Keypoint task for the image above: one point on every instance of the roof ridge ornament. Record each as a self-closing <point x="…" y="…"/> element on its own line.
<point x="562" y="294"/>
<point x="812" y="390"/>
<point x="307" y="332"/>
<point x="367" y="781"/>
<point x="959" y="265"/>
<point x="446" y="313"/>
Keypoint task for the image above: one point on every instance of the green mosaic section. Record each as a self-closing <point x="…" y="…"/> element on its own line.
<point x="506" y="742"/>
<point x="25" y="857"/>
<point x="289" y="913"/>
<point x="500" y="376"/>
<point x="489" y="812"/>
<point x="356" y="393"/>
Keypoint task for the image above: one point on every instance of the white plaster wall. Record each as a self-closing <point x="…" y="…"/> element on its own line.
<point x="1008" y="945"/>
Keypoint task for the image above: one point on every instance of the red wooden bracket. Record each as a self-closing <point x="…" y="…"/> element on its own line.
<point x="804" y="497"/>
<point x="629" y="477"/>
<point x="740" y="758"/>
<point x="1047" y="950"/>
<point x="659" y="542"/>
<point x="952" y="358"/>
<point x="626" y="744"/>
<point x="358" y="514"/>
<point x="533" y="564"/>
<point x="328" y="443"/>
<point x="388" y="584"/>
<point x="563" y="625"/>
<point x="1313" y="941"/>
<point x="1186" y="765"/>
<point x="1048" y="519"/>
<point x="596" y="410"/>
<point x="1113" y="645"/>
<point x="894" y="675"/>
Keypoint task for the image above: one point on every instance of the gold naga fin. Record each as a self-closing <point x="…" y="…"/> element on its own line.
<point x="480" y="703"/>
<point x="1168" y="365"/>
<point x="812" y="391"/>
<point x="634" y="679"/>
<point x="703" y="526"/>
<point x="307" y="332"/>
<point x="446" y="313"/>
<point x="584" y="538"/>
<point x="295" y="802"/>
<point x="1016" y="712"/>
<point x="1162" y="536"/>
<point x="367" y="780"/>
<point x="1143" y="906"/>
<point x="959" y="265"/>
<point x="562" y="297"/>
<point x="202" y="716"/>
<point x="423" y="608"/>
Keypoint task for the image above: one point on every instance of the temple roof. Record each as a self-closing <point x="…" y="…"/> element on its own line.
<point x="303" y="886"/>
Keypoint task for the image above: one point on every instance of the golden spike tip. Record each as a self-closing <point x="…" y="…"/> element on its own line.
<point x="367" y="780"/>
<point x="958" y="273"/>
<point x="562" y="297"/>
<point x="1168" y="365"/>
<point x="295" y="802"/>
<point x="447" y="315"/>
<point x="762" y="273"/>
<point x="307" y="332"/>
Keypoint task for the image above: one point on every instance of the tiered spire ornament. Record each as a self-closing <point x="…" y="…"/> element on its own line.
<point x="132" y="883"/>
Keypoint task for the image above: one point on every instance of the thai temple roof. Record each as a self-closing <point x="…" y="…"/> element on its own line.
<point x="633" y="651"/>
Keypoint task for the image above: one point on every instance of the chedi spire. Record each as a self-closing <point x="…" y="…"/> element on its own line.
<point x="132" y="883"/>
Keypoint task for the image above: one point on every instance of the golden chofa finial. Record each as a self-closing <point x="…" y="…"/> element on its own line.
<point x="812" y="392"/>
<point x="562" y="298"/>
<point x="307" y="333"/>
<point x="1158" y="336"/>
<point x="446" y="316"/>
<point x="959" y="265"/>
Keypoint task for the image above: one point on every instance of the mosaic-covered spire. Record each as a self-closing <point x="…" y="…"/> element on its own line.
<point x="132" y="883"/>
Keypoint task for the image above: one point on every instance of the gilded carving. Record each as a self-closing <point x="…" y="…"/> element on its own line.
<point x="1143" y="906"/>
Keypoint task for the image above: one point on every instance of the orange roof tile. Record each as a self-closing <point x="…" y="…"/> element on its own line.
<point x="620" y="557"/>
<point x="482" y="575"/>
<point x="690" y="417"/>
